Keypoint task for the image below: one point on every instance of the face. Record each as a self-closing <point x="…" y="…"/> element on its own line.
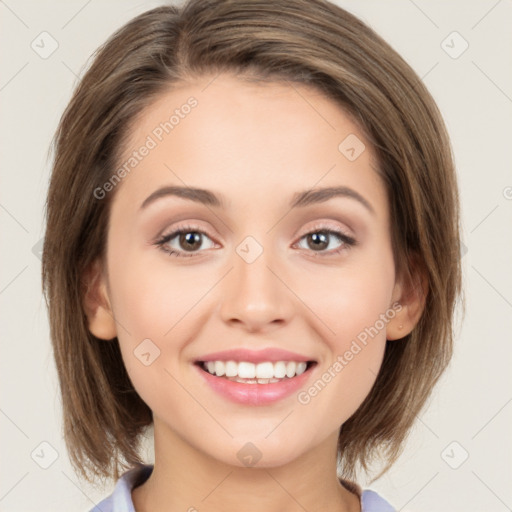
<point x="259" y="267"/>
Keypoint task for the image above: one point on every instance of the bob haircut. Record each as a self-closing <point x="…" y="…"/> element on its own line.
<point x="309" y="42"/>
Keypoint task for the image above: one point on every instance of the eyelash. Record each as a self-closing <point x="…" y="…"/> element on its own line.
<point x="162" y="242"/>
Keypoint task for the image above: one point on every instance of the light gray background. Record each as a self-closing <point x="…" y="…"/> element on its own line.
<point x="471" y="406"/>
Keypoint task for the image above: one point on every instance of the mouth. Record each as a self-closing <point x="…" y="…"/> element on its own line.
<point x="266" y="372"/>
<point x="254" y="384"/>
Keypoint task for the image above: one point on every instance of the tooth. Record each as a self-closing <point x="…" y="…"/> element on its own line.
<point x="220" y="368"/>
<point x="290" y="369"/>
<point x="246" y="370"/>
<point x="244" y="381"/>
<point x="279" y="369"/>
<point x="265" y="370"/>
<point x="263" y="381"/>
<point x="231" y="369"/>
<point x="301" y="368"/>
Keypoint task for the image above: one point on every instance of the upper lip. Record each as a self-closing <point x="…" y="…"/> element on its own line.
<point x="254" y="356"/>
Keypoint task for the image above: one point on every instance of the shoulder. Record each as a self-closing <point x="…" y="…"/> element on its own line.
<point x="121" y="498"/>
<point x="373" y="502"/>
<point x="370" y="500"/>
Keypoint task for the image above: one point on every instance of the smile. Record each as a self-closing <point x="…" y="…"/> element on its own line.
<point x="251" y="373"/>
<point x="255" y="384"/>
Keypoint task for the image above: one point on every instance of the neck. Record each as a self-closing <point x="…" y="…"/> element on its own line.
<point x="186" y="479"/>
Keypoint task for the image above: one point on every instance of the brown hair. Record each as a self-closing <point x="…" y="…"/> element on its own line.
<point x="310" y="42"/>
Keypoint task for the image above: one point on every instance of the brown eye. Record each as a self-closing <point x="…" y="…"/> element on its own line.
<point x="190" y="240"/>
<point x="187" y="239"/>
<point x="319" y="240"/>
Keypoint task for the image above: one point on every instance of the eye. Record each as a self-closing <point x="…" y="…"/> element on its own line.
<point x="320" y="239"/>
<point x="189" y="238"/>
<point x="187" y="241"/>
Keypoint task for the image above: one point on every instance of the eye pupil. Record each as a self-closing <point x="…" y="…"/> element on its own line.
<point x="190" y="238"/>
<point x="320" y="237"/>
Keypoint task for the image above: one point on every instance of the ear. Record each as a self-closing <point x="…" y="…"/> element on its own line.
<point x="97" y="304"/>
<point x="411" y="293"/>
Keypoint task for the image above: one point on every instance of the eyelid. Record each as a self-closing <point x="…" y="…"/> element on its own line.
<point x="188" y="225"/>
<point x="347" y="240"/>
<point x="174" y="231"/>
<point x="317" y="226"/>
<point x="326" y="226"/>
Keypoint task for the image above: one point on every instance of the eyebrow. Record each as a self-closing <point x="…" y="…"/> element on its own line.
<point x="198" y="195"/>
<point x="299" y="200"/>
<point x="320" y="195"/>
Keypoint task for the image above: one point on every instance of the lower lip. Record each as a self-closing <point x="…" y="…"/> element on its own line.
<point x="255" y="394"/>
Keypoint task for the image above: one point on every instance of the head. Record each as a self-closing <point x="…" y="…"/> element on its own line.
<point x="261" y="111"/>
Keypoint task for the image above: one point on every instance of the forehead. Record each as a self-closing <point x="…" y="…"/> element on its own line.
<point x="248" y="140"/>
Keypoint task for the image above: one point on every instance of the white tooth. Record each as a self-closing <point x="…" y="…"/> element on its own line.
<point x="279" y="369"/>
<point x="246" y="370"/>
<point x="244" y="381"/>
<point x="263" y="381"/>
<point x="301" y="367"/>
<point x="264" y="370"/>
<point x="290" y="369"/>
<point x="231" y="369"/>
<point x="220" y="368"/>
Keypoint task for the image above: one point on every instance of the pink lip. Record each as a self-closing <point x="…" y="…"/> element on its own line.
<point x="255" y="356"/>
<point x="255" y="394"/>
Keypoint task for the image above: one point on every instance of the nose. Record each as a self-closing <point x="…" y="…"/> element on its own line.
<point x="256" y="295"/>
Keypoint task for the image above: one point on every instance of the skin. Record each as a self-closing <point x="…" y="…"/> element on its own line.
<point x="256" y="145"/>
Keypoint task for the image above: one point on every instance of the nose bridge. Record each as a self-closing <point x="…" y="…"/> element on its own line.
<point x="253" y="293"/>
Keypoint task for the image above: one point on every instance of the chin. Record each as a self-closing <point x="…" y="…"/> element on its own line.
<point x="257" y="452"/>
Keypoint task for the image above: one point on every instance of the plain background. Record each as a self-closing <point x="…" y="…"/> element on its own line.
<point x="458" y="457"/>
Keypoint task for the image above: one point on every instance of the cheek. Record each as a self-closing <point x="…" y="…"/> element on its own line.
<point x="350" y="299"/>
<point x="152" y="309"/>
<point x="352" y="304"/>
<point x="159" y="310"/>
<point x="149" y="298"/>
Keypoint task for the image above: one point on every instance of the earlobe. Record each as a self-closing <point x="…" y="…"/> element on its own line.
<point x="412" y="298"/>
<point x="97" y="304"/>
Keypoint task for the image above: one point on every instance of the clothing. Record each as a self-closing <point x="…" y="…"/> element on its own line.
<point x="121" y="499"/>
